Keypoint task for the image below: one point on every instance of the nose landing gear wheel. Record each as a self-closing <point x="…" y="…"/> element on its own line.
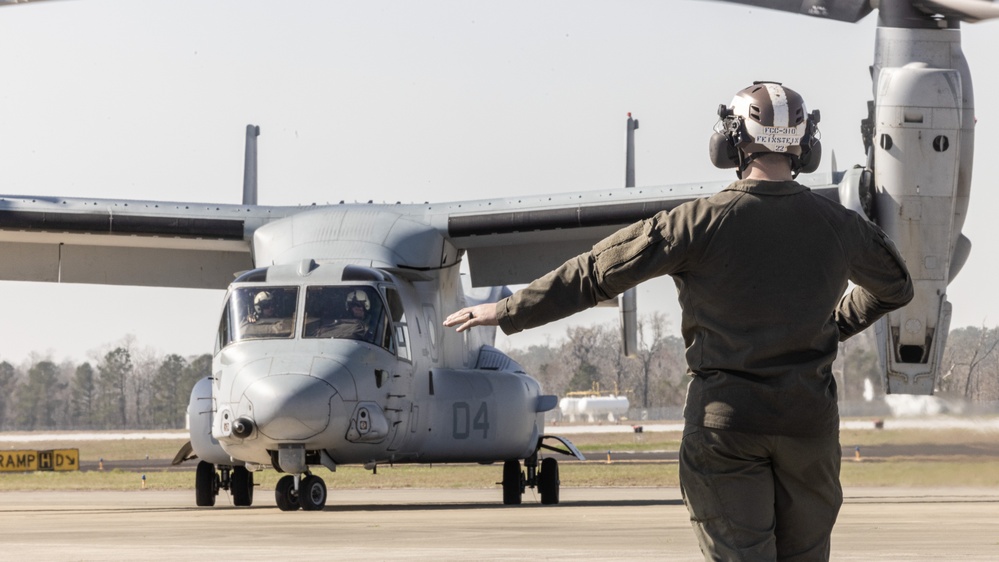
<point x="312" y="493"/>
<point x="241" y="483"/>
<point x="548" y="482"/>
<point x="206" y="484"/>
<point x="513" y="483"/>
<point x="285" y="495"/>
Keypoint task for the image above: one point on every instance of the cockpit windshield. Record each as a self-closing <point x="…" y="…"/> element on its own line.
<point x="341" y="311"/>
<point x="346" y="312"/>
<point x="263" y="312"/>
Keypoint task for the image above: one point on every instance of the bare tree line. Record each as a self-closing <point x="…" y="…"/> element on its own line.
<point x="127" y="388"/>
<point x="971" y="365"/>
<point x="656" y="377"/>
<point x="591" y="357"/>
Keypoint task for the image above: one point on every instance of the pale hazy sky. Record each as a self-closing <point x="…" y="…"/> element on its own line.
<point x="404" y="101"/>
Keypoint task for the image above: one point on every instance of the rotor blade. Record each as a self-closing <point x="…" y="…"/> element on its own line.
<point x="965" y="10"/>
<point x="840" y="10"/>
<point x="12" y="2"/>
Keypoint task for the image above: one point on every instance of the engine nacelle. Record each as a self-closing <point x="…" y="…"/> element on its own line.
<point x="924" y="128"/>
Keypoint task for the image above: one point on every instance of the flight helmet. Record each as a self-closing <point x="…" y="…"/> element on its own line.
<point x="764" y="118"/>
<point x="358" y="297"/>
<point x="262" y="299"/>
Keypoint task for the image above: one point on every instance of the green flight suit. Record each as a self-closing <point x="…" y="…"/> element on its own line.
<point x="761" y="269"/>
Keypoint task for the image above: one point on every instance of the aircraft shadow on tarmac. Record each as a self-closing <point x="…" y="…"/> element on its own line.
<point x="347" y="508"/>
<point x="356" y="508"/>
<point x="471" y="505"/>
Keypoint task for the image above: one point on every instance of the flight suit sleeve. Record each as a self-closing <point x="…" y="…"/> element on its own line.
<point x="882" y="281"/>
<point x="624" y="259"/>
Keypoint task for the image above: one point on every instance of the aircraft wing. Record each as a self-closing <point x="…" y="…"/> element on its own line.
<point x="201" y="245"/>
<point x="119" y="242"/>
<point x="517" y="239"/>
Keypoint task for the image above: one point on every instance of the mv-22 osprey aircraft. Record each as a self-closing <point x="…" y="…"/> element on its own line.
<point x="330" y="349"/>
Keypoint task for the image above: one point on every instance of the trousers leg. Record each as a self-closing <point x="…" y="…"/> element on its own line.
<point x="808" y="495"/>
<point x="727" y="483"/>
<point x="760" y="497"/>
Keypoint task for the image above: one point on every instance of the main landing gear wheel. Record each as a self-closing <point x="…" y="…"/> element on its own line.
<point x="241" y="484"/>
<point x="513" y="483"/>
<point x="285" y="495"/>
<point x="312" y="493"/>
<point x="548" y="482"/>
<point x="206" y="484"/>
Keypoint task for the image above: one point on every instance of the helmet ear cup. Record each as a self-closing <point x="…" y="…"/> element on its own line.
<point x="810" y="157"/>
<point x="723" y="153"/>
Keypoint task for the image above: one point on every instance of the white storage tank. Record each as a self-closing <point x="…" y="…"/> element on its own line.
<point x="594" y="408"/>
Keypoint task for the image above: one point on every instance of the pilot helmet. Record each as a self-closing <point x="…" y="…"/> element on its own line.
<point x="262" y="298"/>
<point x="358" y="297"/>
<point x="765" y="118"/>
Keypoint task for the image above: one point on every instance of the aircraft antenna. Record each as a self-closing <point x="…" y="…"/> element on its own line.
<point x="250" y="166"/>
<point x="629" y="169"/>
<point x="629" y="299"/>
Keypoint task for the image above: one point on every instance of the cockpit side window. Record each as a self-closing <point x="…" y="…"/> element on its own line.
<point x="432" y="326"/>
<point x="345" y="312"/>
<point x="261" y="313"/>
<point x="225" y="334"/>
<point x="398" y="313"/>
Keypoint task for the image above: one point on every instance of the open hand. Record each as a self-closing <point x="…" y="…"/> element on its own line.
<point x="471" y="316"/>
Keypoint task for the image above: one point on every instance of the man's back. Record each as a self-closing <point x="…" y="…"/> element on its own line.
<point x="766" y="265"/>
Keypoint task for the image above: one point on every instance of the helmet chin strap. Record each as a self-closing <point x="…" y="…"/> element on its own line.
<point x="744" y="160"/>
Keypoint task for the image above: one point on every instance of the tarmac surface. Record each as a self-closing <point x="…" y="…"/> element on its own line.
<point x="869" y="452"/>
<point x="436" y="524"/>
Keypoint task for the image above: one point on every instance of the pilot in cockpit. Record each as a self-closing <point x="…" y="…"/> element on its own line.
<point x="263" y="307"/>
<point x="264" y="319"/>
<point x="356" y="324"/>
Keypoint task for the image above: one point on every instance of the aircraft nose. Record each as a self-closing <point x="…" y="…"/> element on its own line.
<point x="290" y="406"/>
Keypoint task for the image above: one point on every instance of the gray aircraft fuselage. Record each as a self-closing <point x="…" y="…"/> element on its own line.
<point x="404" y="391"/>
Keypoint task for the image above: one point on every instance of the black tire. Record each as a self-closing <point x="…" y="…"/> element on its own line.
<point x="284" y="494"/>
<point x="513" y="483"/>
<point x="206" y="485"/>
<point x="241" y="484"/>
<point x="312" y="493"/>
<point x="548" y="482"/>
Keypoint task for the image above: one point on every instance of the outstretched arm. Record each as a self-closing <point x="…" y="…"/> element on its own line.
<point x="622" y="260"/>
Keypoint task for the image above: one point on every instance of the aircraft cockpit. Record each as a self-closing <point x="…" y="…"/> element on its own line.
<point x="363" y="312"/>
<point x="346" y="312"/>
<point x="262" y="313"/>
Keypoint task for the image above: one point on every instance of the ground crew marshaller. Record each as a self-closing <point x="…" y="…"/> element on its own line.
<point x="762" y="271"/>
